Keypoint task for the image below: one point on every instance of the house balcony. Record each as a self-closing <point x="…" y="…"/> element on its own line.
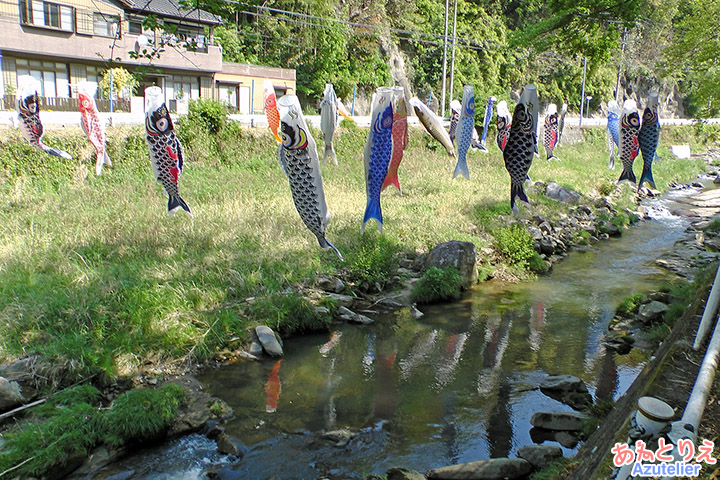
<point x="62" y="104"/>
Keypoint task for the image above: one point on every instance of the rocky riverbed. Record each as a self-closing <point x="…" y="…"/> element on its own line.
<point x="588" y="221"/>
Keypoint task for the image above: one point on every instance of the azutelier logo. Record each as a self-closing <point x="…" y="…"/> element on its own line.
<point x="645" y="464"/>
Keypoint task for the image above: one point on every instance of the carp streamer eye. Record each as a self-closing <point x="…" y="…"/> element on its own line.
<point x="85" y="103"/>
<point x="162" y="124"/>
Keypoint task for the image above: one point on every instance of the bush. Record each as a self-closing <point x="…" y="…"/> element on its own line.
<point x="140" y="415"/>
<point x="437" y="284"/>
<point x="515" y="244"/>
<point x="373" y="261"/>
<point x="208" y="115"/>
<point x="630" y="305"/>
<point x="537" y="264"/>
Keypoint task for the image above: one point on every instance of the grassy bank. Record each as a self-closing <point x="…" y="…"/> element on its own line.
<point x="95" y="276"/>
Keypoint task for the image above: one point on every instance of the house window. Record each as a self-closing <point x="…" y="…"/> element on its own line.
<point x="105" y="25"/>
<point x="53" y="77"/>
<point x="47" y="14"/>
<point x="135" y="27"/>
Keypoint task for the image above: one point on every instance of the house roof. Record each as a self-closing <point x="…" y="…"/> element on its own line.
<point x="170" y="8"/>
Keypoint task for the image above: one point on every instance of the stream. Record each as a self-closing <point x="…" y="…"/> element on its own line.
<point x="458" y="385"/>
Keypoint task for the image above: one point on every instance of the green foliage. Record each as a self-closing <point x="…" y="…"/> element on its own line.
<point x="537" y="264"/>
<point x="208" y="115"/>
<point x="437" y="285"/>
<point x="630" y="305"/>
<point x="557" y="469"/>
<point x="123" y="83"/>
<point x="70" y="424"/>
<point x="140" y="415"/>
<point x="373" y="260"/>
<point x="289" y="314"/>
<point x="515" y="244"/>
<point x="606" y="188"/>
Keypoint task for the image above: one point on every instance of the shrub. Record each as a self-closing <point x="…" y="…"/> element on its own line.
<point x="373" y="261"/>
<point x="606" y="188"/>
<point x="713" y="226"/>
<point x="515" y="244"/>
<point x="537" y="264"/>
<point x="140" y="415"/>
<point x="437" y="284"/>
<point x="208" y="115"/>
<point x="630" y="305"/>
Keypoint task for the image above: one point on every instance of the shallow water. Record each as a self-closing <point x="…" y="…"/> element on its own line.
<point x="456" y="386"/>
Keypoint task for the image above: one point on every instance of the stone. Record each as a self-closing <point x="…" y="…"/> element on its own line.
<point x="255" y="349"/>
<point x="331" y="284"/>
<point x="196" y="409"/>
<point x="228" y="445"/>
<point x="374" y="476"/>
<point x="349" y="316"/>
<point x="415" y="313"/>
<point x="269" y="341"/>
<point x="10" y="395"/>
<point x="402" y="473"/>
<point x="567" y="421"/>
<point x="540" y="456"/>
<point x="562" y="194"/>
<point x="101" y="457"/>
<point x="547" y="246"/>
<point x="566" y="439"/>
<point x="609" y="228"/>
<point x="340" y="300"/>
<point x="567" y="389"/>
<point x="652" y="311"/>
<point x="565" y="383"/>
<point x="406" y="263"/>
<point x="457" y="254"/>
<point x="492" y="469"/>
<point x="341" y="437"/>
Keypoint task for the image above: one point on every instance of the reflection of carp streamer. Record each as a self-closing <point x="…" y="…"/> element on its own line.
<point x="273" y="388"/>
<point x="369" y="357"/>
<point x="496" y="345"/>
<point x="453" y="350"/>
<point x="417" y="355"/>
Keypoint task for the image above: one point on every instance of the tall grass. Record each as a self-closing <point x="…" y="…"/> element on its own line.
<point x="94" y="273"/>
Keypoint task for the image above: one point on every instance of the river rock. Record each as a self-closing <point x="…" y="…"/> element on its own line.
<point x="10" y="395"/>
<point x="100" y="457"/>
<point x="539" y="456"/>
<point x="562" y="194"/>
<point x="269" y="341"/>
<point x="567" y="389"/>
<point x="341" y="437"/>
<point x="457" y="254"/>
<point x="564" y="383"/>
<point x="340" y="300"/>
<point x="255" y="348"/>
<point x="228" y="445"/>
<point x="349" y="316"/>
<point x="415" y="313"/>
<point x="331" y="284"/>
<point x="566" y="439"/>
<point x="609" y="228"/>
<point x="568" y="421"/>
<point x="652" y="311"/>
<point x="402" y="473"/>
<point x="197" y="407"/>
<point x="492" y="469"/>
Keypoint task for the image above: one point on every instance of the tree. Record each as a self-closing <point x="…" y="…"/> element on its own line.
<point x="124" y="83"/>
<point x="693" y="56"/>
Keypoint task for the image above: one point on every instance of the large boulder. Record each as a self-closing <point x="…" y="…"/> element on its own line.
<point x="460" y="255"/>
<point x="567" y="421"/>
<point x="562" y="194"/>
<point x="269" y="341"/>
<point x="401" y="473"/>
<point x="652" y="311"/>
<point x="540" y="456"/>
<point x="10" y="395"/>
<point x="492" y="469"/>
<point x="349" y="316"/>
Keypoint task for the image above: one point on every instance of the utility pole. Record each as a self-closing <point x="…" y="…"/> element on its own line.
<point x="452" y="55"/>
<point x="582" y="95"/>
<point x="622" y="52"/>
<point x="444" y="68"/>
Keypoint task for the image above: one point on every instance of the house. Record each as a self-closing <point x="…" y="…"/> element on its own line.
<point x="240" y="86"/>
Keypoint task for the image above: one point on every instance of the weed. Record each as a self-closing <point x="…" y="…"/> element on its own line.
<point x="289" y="313"/>
<point x="560" y="468"/>
<point x="140" y="415"/>
<point x="437" y="284"/>
<point x="373" y="260"/>
<point x="713" y="226"/>
<point x="515" y="244"/>
<point x="629" y="305"/>
<point x="537" y="264"/>
<point x="606" y="188"/>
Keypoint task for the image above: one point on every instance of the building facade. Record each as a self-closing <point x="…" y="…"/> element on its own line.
<point x="64" y="42"/>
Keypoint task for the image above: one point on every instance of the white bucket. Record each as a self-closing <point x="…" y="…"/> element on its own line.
<point x="652" y="415"/>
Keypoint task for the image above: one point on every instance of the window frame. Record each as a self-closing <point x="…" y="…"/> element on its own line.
<point x="52" y="12"/>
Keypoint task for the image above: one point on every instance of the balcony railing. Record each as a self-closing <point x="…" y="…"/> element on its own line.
<point x="60" y="104"/>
